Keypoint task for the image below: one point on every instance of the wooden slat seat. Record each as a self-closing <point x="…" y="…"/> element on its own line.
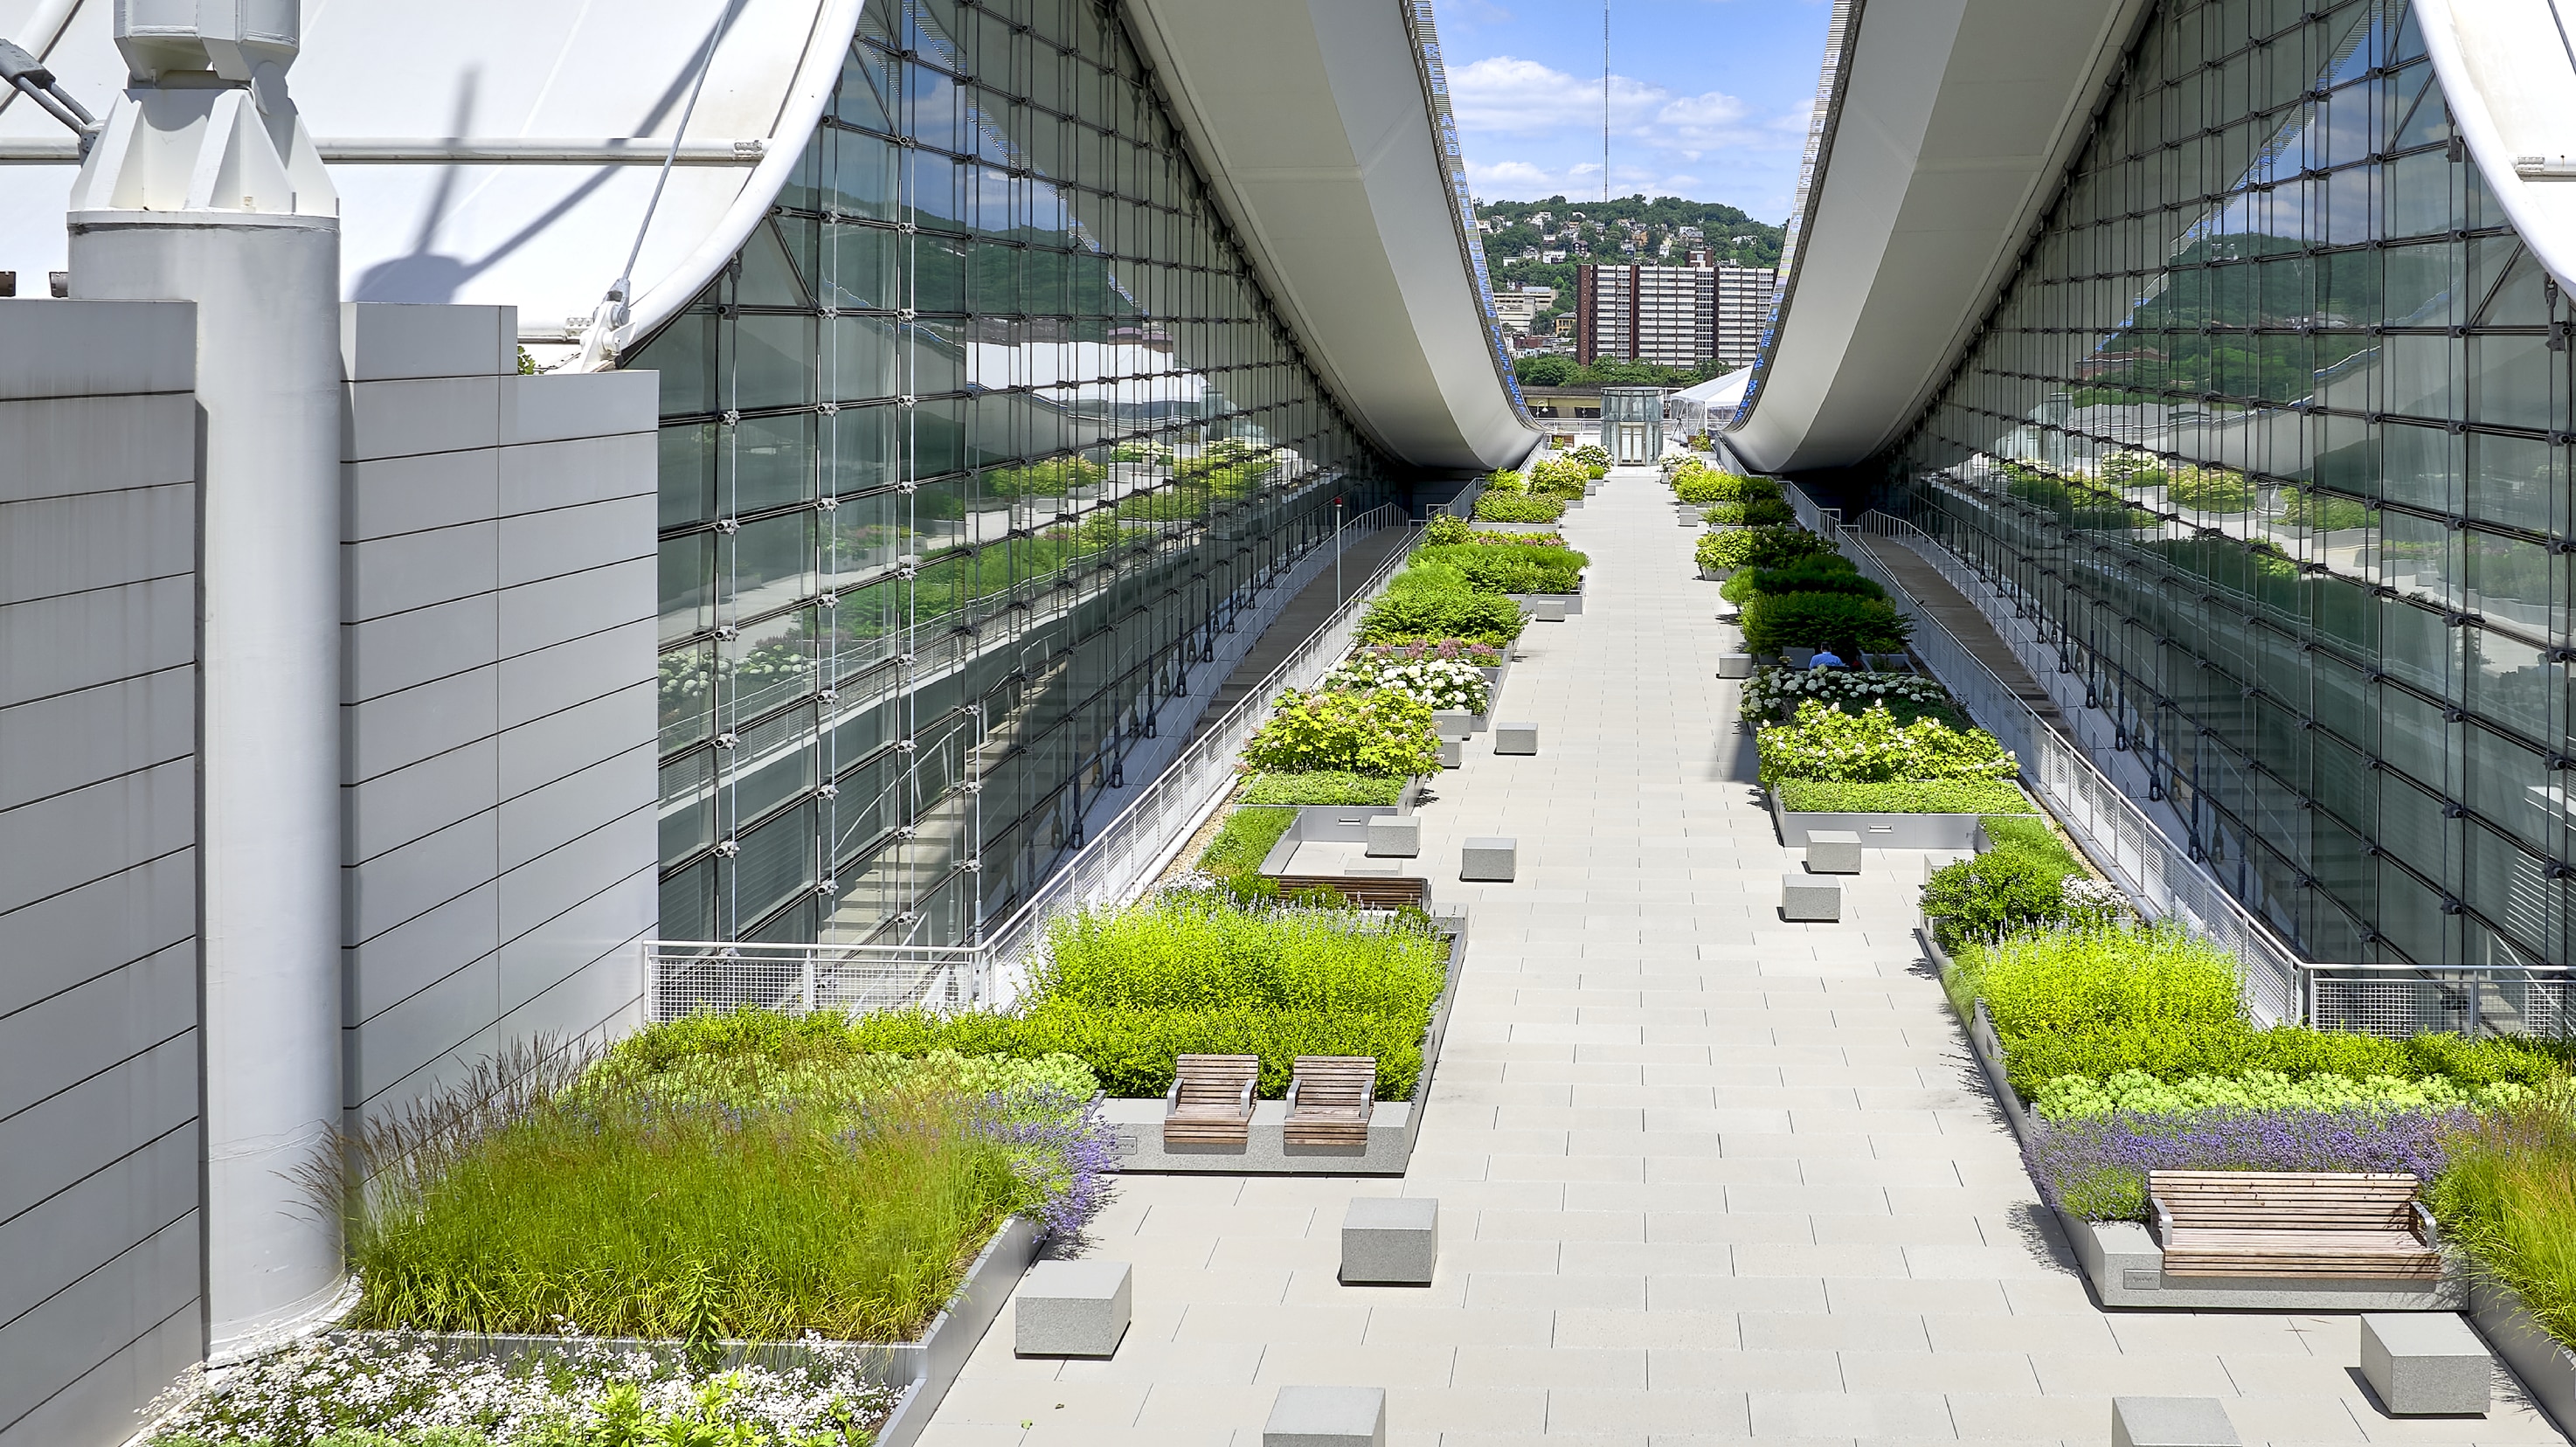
<point x="1210" y="1102"/>
<point x="1364" y="891"/>
<point x="1329" y="1100"/>
<point x="2327" y="1224"/>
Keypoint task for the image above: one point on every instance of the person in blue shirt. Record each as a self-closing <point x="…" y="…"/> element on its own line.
<point x="1825" y="658"/>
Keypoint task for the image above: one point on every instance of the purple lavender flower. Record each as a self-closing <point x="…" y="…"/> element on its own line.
<point x="1073" y="1148"/>
<point x="2096" y="1167"/>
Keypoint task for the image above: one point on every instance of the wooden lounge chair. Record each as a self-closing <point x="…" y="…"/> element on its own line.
<point x="2293" y="1223"/>
<point x="1210" y="1102"/>
<point x="1329" y="1100"/>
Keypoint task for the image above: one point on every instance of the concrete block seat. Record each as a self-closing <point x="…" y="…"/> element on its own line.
<point x="2425" y="1363"/>
<point x="1398" y="837"/>
<point x="2170" y="1422"/>
<point x="1492" y="860"/>
<point x="1072" y="1309"/>
<point x="1516" y="738"/>
<point x="1326" y="1417"/>
<point x="1735" y="665"/>
<point x="1806" y="898"/>
<point x="1390" y="1240"/>
<point x="1833" y="851"/>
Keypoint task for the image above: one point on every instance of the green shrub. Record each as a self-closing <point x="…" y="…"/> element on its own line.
<point x="2209" y="489"/>
<point x="1513" y="507"/>
<point x="2073" y="1096"/>
<point x="2059" y="981"/>
<point x="1445" y="528"/>
<point x="2322" y="513"/>
<point x="2230" y="1048"/>
<point x="1703" y="486"/>
<point x="1760" y="512"/>
<point x="1993" y="894"/>
<point x="2509" y="1200"/>
<point x="1839" y="621"/>
<point x="1831" y="573"/>
<point x="1490" y="569"/>
<point x="1052" y="478"/>
<point x="1403" y="615"/>
<point x="1823" y="742"/>
<point x="1902" y="796"/>
<point x="1247" y="836"/>
<point x="1766" y="547"/>
<point x="1322" y="787"/>
<point x="1506" y="480"/>
<point x="2032" y="835"/>
<point x="1384" y="732"/>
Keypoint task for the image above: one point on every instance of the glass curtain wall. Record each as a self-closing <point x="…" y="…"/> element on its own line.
<point x="985" y="435"/>
<point x="2271" y="430"/>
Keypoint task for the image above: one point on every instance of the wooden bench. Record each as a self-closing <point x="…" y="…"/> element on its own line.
<point x="1329" y="1100"/>
<point x="1210" y="1102"/>
<point x="1364" y="891"/>
<point x="2293" y="1223"/>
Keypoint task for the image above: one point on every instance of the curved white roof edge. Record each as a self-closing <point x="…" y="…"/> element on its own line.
<point x="835" y="26"/>
<point x="1316" y="126"/>
<point x="2509" y="74"/>
<point x="1942" y="131"/>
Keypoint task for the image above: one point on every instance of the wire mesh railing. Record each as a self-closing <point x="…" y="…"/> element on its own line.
<point x="1124" y="855"/>
<point x="2400" y="1000"/>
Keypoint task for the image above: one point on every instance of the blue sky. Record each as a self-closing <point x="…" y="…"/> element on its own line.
<point x="1708" y="98"/>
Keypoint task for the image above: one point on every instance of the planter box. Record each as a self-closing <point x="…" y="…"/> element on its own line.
<point x="2125" y="1264"/>
<point x="1333" y="824"/>
<point x="1571" y="602"/>
<point x="920" y="1372"/>
<point x="1715" y="575"/>
<point x="1879" y="831"/>
<point x="1394" y="1125"/>
<point x="1486" y="527"/>
<point x="2547" y="1370"/>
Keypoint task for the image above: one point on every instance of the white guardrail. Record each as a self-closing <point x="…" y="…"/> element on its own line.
<point x="1123" y="856"/>
<point x="2157" y="872"/>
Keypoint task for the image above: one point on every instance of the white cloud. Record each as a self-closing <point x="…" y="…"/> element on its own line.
<point x="1523" y="97"/>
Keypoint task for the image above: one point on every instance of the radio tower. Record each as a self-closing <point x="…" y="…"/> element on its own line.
<point x="1605" y="102"/>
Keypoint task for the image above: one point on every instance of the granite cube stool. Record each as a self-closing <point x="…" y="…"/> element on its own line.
<point x="1072" y="1309"/>
<point x="1817" y="901"/>
<point x="1735" y="665"/>
<point x="1492" y="860"/>
<point x="1397" y="836"/>
<point x="1690" y="517"/>
<point x="1545" y="610"/>
<point x="1833" y="851"/>
<point x="1453" y="753"/>
<point x="1390" y="1240"/>
<point x="2170" y="1422"/>
<point x="1516" y="738"/>
<point x="1452" y="723"/>
<point x="1326" y="1417"/>
<point x="2426" y="1362"/>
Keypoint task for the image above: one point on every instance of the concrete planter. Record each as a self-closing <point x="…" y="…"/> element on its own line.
<point x="1334" y="824"/>
<point x="2546" y="1368"/>
<point x="920" y="1372"/>
<point x="1572" y="602"/>
<point x="1394" y="1125"/>
<point x="2124" y="1262"/>
<point x="1486" y="527"/>
<point x="1879" y="831"/>
<point x="1715" y="575"/>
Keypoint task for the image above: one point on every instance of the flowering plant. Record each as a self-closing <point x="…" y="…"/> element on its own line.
<point x="2095" y="1167"/>
<point x="1482" y="655"/>
<point x="1770" y="690"/>
<point x="2137" y="1092"/>
<point x="1382" y="732"/>
<point x="406" y="1388"/>
<point x="1443" y="683"/>
<point x="1823" y="742"/>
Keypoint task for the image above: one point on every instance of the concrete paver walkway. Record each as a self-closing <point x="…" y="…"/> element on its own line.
<point x="1703" y="1175"/>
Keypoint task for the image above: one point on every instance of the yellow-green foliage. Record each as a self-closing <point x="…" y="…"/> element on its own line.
<point x="2068" y="981"/>
<point x="2509" y="1199"/>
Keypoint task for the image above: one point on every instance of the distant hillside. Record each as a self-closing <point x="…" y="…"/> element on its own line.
<point x="1607" y="229"/>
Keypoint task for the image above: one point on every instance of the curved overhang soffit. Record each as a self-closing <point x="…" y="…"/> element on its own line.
<point x="497" y="153"/>
<point x="1320" y="127"/>
<point x="1941" y="133"/>
<point x="2508" y="71"/>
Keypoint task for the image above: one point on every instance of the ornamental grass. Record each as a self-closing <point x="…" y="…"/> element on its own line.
<point x="2509" y="1200"/>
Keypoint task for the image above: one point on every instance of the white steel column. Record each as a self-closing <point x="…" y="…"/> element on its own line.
<point x="202" y="186"/>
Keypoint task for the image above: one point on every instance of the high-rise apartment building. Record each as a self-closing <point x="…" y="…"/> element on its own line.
<point x="1677" y="315"/>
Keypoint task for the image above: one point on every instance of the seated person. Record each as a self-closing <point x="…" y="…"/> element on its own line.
<point x="1825" y="658"/>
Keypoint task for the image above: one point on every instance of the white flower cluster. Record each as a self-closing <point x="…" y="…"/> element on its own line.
<point x="397" y="1384"/>
<point x="2094" y="901"/>
<point x="1443" y="683"/>
<point x="1772" y="689"/>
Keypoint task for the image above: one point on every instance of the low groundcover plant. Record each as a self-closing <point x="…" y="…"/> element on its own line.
<point x="2095" y="1167"/>
<point x="1823" y="742"/>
